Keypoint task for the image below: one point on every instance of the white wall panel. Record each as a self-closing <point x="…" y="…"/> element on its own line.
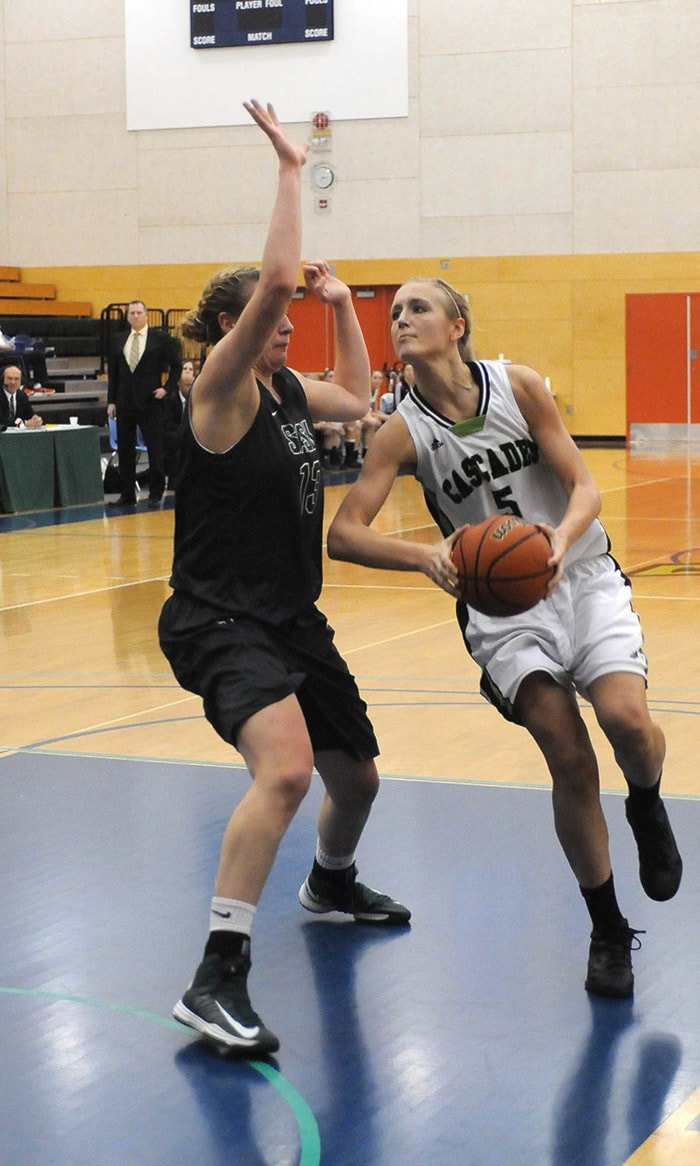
<point x="651" y="127"/>
<point x="634" y="210"/>
<point x="27" y="21"/>
<point x="489" y="26"/>
<point x="504" y="174"/>
<point x="71" y="153"/>
<point x="649" y="42"/>
<point x="74" y="227"/>
<point x="491" y="93"/>
<point x="60" y="78"/>
<point x="496" y="235"/>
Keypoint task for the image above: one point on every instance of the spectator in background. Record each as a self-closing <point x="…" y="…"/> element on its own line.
<point x="15" y="406"/>
<point x="387" y="401"/>
<point x="174" y="408"/>
<point x="330" y="441"/>
<point x="375" y="387"/>
<point x="136" y="397"/>
<point x="404" y="383"/>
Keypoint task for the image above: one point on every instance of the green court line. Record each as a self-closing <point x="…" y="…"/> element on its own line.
<point x="308" y="1128"/>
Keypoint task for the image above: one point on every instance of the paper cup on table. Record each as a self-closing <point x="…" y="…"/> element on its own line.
<point x="73" y="420"/>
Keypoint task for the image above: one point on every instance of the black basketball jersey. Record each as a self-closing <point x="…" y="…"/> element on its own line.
<point x="248" y="522"/>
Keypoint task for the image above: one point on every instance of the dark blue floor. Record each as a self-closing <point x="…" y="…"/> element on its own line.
<point x="467" y="1040"/>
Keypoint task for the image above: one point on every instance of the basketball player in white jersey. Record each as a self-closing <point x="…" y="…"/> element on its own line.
<point x="483" y="437"/>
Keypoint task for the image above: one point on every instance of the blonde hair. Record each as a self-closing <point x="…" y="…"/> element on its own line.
<point x="457" y="306"/>
<point x="227" y="291"/>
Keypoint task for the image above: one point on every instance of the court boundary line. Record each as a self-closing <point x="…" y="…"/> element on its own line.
<point x="307" y="1125"/>
<point x="479" y="783"/>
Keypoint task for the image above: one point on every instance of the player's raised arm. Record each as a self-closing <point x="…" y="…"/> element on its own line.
<point x="347" y="397"/>
<point x="232" y="358"/>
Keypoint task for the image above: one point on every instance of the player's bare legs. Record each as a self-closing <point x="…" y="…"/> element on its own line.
<point x="551" y="715"/>
<point x="620" y="704"/>
<point x="351" y="787"/>
<point x="276" y="748"/>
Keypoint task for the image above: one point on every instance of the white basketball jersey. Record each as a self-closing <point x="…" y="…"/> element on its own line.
<point x="488" y="464"/>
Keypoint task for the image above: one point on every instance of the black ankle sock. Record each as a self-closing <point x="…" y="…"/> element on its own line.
<point x="330" y="876"/>
<point x="602" y="906"/>
<point x="226" y="943"/>
<point x="642" y="798"/>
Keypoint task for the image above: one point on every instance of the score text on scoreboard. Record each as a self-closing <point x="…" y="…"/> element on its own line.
<point x="216" y="24"/>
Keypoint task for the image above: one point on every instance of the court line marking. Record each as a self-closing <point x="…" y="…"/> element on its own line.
<point x="83" y="594"/>
<point x="326" y="587"/>
<point x="40" y="748"/>
<point x="306" y="1122"/>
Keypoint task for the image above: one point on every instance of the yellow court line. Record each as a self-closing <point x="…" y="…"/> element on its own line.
<point x="402" y="636"/>
<point x="82" y="594"/>
<point x="674" y="1143"/>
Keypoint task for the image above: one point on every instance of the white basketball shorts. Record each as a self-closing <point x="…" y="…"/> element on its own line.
<point x="586" y="629"/>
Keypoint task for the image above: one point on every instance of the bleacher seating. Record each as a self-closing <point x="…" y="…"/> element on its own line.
<point x="69" y="336"/>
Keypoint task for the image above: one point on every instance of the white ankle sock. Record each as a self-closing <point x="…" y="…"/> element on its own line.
<point x="332" y="861"/>
<point x="230" y="915"/>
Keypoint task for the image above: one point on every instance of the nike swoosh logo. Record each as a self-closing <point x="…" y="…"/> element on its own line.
<point x="239" y="1029"/>
<point x="223" y="914"/>
<point x="275" y="412"/>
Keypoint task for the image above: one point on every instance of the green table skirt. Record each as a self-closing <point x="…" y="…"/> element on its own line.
<point x="43" y="468"/>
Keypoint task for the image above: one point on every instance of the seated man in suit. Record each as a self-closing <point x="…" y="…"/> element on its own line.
<point x="136" y="395"/>
<point x="15" y="406"/>
<point x="174" y="408"/>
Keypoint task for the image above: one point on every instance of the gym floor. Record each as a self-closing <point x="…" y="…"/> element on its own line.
<point x="465" y="1039"/>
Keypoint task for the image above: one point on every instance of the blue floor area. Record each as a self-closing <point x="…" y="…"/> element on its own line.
<point x="32" y="520"/>
<point x="466" y="1040"/>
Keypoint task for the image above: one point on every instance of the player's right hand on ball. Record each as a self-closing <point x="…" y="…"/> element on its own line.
<point x="440" y="568"/>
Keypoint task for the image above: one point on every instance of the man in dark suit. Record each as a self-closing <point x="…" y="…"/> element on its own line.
<point x="15" y="406"/>
<point x="174" y="408"/>
<point x="136" y="396"/>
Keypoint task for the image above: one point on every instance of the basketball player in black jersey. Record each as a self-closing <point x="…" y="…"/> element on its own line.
<point x="242" y="628"/>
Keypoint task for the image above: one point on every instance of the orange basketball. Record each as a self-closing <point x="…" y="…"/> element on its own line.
<point x="502" y="565"/>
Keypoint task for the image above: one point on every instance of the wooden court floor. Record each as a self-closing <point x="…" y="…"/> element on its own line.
<point x="115" y="787"/>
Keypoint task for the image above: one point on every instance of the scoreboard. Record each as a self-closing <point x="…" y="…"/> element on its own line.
<point x="216" y="24"/>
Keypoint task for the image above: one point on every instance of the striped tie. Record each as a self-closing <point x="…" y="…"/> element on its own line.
<point x="134" y="351"/>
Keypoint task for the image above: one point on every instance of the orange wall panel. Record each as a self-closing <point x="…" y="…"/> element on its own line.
<point x="656" y="355"/>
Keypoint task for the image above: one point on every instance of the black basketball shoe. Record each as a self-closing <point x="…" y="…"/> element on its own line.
<point x="342" y="892"/>
<point x="217" y="1005"/>
<point x="660" y="864"/>
<point x="610" y="961"/>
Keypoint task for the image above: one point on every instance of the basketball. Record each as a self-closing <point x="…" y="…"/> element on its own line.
<point x="502" y="565"/>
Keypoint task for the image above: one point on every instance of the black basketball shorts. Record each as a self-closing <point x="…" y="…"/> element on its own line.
<point x="239" y="665"/>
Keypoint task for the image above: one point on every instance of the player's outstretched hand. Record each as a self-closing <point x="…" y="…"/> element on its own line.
<point x="320" y="280"/>
<point x="286" y="148"/>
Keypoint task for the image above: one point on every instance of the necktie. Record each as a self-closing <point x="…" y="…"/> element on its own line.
<point x="12" y="409"/>
<point x="134" y="351"/>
